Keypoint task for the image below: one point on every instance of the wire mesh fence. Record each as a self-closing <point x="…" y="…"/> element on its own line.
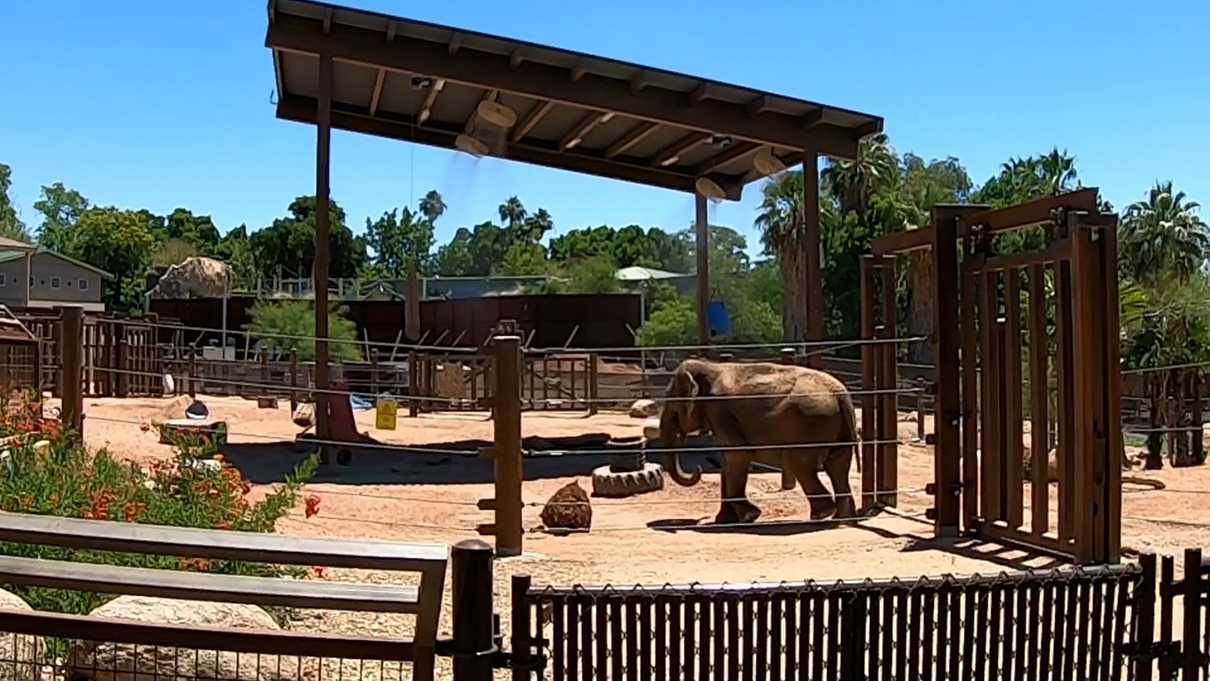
<point x="46" y="647"/>
<point x="1036" y="625"/>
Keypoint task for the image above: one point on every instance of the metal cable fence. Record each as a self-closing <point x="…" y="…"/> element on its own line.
<point x="1068" y="624"/>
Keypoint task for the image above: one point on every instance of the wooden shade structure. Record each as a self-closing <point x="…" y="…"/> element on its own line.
<point x="392" y="77"/>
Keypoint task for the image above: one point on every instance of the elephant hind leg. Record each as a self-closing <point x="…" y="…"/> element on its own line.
<point x="805" y="466"/>
<point x="836" y="464"/>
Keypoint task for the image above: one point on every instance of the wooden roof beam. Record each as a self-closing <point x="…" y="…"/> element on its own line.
<point x="670" y="154"/>
<point x="758" y="105"/>
<point x="734" y="152"/>
<point x="455" y="44"/>
<point x="426" y="108"/>
<point x="543" y="81"/>
<point x="639" y="81"/>
<point x="576" y="135"/>
<point x="636" y="135"/>
<point x="700" y="93"/>
<point x="303" y="110"/>
<point x="516" y="58"/>
<point x="376" y="95"/>
<point x="532" y="119"/>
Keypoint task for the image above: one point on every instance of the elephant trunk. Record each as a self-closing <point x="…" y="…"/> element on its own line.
<point x="672" y="437"/>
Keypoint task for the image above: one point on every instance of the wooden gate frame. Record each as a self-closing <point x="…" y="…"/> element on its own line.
<point x="1083" y="252"/>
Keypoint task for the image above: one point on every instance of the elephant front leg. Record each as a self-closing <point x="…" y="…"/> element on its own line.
<point x="735" y="505"/>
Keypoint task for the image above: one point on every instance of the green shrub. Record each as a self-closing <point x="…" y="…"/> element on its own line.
<point x="68" y="481"/>
<point x="673" y="323"/>
<point x="288" y="327"/>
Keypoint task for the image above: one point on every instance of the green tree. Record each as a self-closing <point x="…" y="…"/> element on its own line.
<point x="780" y="222"/>
<point x="288" y="327"/>
<point x="485" y="249"/>
<point x="11" y="225"/>
<point x="61" y="209"/>
<point x="173" y="252"/>
<point x="673" y="323"/>
<point x="120" y="242"/>
<point x="399" y="237"/>
<point x="198" y="231"/>
<point x="288" y="245"/>
<point x="236" y="250"/>
<point x="1164" y="237"/>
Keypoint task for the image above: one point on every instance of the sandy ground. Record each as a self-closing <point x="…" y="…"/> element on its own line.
<point x="431" y="497"/>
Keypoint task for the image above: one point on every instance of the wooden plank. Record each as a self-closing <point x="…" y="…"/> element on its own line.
<point x="989" y="433"/>
<point x="970" y="400"/>
<point x="761" y="641"/>
<point x="869" y="374"/>
<point x="1036" y="641"/>
<point x="1031" y="213"/>
<point x="1039" y="445"/>
<point x="1065" y="419"/>
<point x="902" y="644"/>
<point x="705" y="639"/>
<point x="835" y="640"/>
<point x="572" y="632"/>
<point x="1059" y="249"/>
<point x="872" y="601"/>
<point x="1022" y="616"/>
<point x="733" y="637"/>
<point x="1098" y="630"/>
<point x="1111" y="493"/>
<point x="264" y="591"/>
<point x="598" y="636"/>
<point x="1071" y="624"/>
<point x="944" y="636"/>
<point x="638" y="641"/>
<point x="1086" y="360"/>
<point x="561" y="638"/>
<point x="220" y="544"/>
<point x="1013" y="409"/>
<point x="1082" y="589"/>
<point x="719" y="636"/>
<point x="968" y="628"/>
<point x="682" y="665"/>
<point x="887" y="478"/>
<point x="922" y="610"/>
<point x="617" y="639"/>
<point x="1167" y="668"/>
<point x="985" y="633"/>
<point x="657" y="608"/>
<point x="1061" y="624"/>
<point x="899" y="243"/>
<point x="949" y="409"/>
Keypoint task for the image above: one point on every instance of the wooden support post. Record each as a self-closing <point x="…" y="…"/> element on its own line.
<point x="121" y="358"/>
<point x="319" y="273"/>
<point x="887" y="478"/>
<point x="507" y="424"/>
<point x="1039" y="439"/>
<point x="1014" y="496"/>
<point x="702" y="248"/>
<point x="949" y="411"/>
<point x="472" y="611"/>
<point x="869" y="382"/>
<point x="522" y="628"/>
<point x="1111" y="494"/>
<point x="293" y="382"/>
<point x="594" y="388"/>
<point x="787" y="476"/>
<point x="811" y="243"/>
<point x="374" y="371"/>
<point x="71" y="383"/>
<point x="192" y="372"/>
<point x="413" y="384"/>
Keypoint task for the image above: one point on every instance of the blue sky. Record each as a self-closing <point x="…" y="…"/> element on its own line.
<point x="161" y="104"/>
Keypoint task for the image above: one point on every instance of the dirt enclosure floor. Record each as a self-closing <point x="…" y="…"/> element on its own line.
<point x="652" y="539"/>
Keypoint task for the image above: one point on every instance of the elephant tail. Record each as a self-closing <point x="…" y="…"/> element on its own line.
<point x="851" y="433"/>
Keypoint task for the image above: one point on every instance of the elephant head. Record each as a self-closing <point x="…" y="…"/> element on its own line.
<point x="683" y="415"/>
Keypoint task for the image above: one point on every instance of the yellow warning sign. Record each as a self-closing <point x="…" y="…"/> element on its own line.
<point x="385" y="410"/>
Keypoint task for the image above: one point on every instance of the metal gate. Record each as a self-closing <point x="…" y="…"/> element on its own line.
<point x="1039" y="346"/>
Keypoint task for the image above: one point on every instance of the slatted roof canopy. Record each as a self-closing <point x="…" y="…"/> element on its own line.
<point x="420" y="82"/>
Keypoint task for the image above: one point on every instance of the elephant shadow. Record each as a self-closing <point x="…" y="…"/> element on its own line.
<point x="773" y="528"/>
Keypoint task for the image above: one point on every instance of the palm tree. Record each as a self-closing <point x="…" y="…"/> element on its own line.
<point x="432" y="206"/>
<point x="1164" y="236"/>
<point x="780" y="222"/>
<point x="512" y="212"/>
<point x="854" y="183"/>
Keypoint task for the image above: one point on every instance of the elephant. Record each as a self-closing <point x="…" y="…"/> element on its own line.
<point x="803" y="406"/>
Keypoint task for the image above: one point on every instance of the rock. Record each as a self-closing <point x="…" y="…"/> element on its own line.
<point x="304" y="415"/>
<point x="568" y="509"/>
<point x="642" y="409"/>
<point x="195" y="277"/>
<point x="651" y="429"/>
<point x="20" y="655"/>
<point x="102" y="661"/>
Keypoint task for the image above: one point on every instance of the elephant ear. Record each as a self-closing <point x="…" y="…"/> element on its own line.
<point x="687" y="386"/>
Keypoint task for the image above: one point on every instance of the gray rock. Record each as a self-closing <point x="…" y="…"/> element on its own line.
<point x="642" y="409"/>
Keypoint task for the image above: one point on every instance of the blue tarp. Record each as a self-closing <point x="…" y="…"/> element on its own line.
<point x="720" y="320"/>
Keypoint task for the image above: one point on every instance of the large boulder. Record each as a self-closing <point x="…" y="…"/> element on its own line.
<point x="20" y="655"/>
<point x="103" y="661"/>
<point x="568" y="509"/>
<point x="196" y="277"/>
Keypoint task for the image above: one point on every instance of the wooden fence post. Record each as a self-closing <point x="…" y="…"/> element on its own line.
<point x="293" y="382"/>
<point x="70" y="381"/>
<point x="522" y="641"/>
<point x="471" y="568"/>
<point x="413" y="384"/>
<point x="506" y="400"/>
<point x="948" y="407"/>
<point x="593" y="383"/>
<point x="1144" y="619"/>
<point x="1195" y="605"/>
<point x="870" y="366"/>
<point x="787" y="476"/>
<point x="121" y="359"/>
<point x="887" y="478"/>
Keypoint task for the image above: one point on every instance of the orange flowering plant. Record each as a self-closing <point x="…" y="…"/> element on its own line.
<point x="197" y="488"/>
